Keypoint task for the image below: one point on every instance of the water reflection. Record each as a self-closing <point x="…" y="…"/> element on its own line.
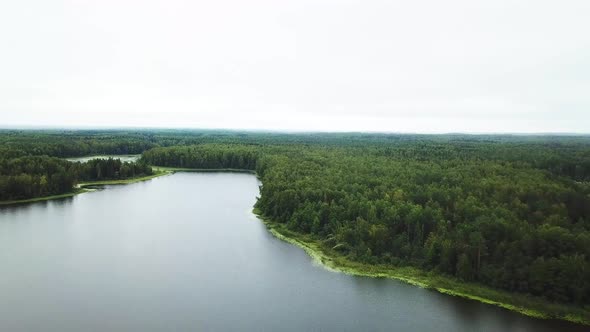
<point x="39" y="204"/>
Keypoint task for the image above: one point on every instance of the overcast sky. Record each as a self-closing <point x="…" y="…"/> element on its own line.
<point x="333" y="65"/>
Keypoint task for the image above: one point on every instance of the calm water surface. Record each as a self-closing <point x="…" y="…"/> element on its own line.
<point x="184" y="252"/>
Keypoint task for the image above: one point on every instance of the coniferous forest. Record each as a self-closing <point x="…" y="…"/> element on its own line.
<point x="508" y="212"/>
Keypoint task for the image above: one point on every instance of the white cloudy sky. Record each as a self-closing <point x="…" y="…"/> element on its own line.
<point x="401" y="66"/>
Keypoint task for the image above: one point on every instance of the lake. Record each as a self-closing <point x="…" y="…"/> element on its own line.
<point x="123" y="158"/>
<point x="184" y="252"/>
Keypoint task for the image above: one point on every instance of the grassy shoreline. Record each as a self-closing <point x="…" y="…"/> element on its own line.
<point x="83" y="188"/>
<point x="124" y="181"/>
<point x="331" y="260"/>
<point x="89" y="186"/>
<point x="44" y="198"/>
<point x="523" y="304"/>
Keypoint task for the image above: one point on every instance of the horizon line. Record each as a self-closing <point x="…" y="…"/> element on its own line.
<point x="290" y="131"/>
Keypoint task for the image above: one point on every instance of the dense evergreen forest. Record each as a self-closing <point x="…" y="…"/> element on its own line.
<point x="513" y="216"/>
<point x="30" y="167"/>
<point x="37" y="176"/>
<point x="509" y="212"/>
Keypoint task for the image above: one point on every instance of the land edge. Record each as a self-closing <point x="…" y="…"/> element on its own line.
<point x="85" y="187"/>
<point x="344" y="265"/>
<point x="203" y="170"/>
<point x="44" y="198"/>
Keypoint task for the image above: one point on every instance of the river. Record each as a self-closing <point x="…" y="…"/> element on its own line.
<point x="184" y="252"/>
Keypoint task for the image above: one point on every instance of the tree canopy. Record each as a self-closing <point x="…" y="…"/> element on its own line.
<point x="509" y="212"/>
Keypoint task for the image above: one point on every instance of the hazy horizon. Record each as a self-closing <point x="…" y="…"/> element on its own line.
<point x="283" y="131"/>
<point x="427" y="67"/>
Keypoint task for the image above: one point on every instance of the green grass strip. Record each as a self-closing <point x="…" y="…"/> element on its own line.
<point x="44" y="198"/>
<point x="85" y="187"/>
<point x="334" y="261"/>
<point x="124" y="181"/>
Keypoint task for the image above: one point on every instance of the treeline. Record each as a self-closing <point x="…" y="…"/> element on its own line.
<point x="505" y="211"/>
<point x="204" y="157"/>
<point x="29" y="166"/>
<point x="478" y="215"/>
<point x="110" y="169"/>
<point x="70" y="144"/>
<point x="561" y="158"/>
<point x="37" y="176"/>
<point x="561" y="155"/>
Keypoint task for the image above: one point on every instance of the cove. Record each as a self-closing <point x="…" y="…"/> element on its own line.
<point x="185" y="252"/>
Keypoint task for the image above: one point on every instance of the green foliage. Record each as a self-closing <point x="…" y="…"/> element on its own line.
<point x="37" y="176"/>
<point x="508" y="212"/>
<point x="501" y="222"/>
<point x="28" y="177"/>
<point x="29" y="169"/>
<point x="210" y="157"/>
<point x="110" y="169"/>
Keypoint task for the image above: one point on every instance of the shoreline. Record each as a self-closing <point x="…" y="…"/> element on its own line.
<point x="84" y="187"/>
<point x="332" y="261"/>
<point x="202" y="170"/>
<point x="520" y="303"/>
<point x="90" y="184"/>
<point x="43" y="198"/>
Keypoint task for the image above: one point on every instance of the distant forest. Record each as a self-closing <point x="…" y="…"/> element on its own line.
<point x="510" y="212"/>
<point x="30" y="167"/>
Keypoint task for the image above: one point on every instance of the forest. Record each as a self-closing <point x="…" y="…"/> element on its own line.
<point x="510" y="216"/>
<point x="31" y="164"/>
<point x="508" y="212"/>
<point x="38" y="176"/>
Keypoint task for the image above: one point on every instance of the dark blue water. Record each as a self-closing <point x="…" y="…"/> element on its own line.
<point x="184" y="252"/>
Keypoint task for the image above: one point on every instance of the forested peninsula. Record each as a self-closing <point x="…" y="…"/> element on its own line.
<point x="500" y="219"/>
